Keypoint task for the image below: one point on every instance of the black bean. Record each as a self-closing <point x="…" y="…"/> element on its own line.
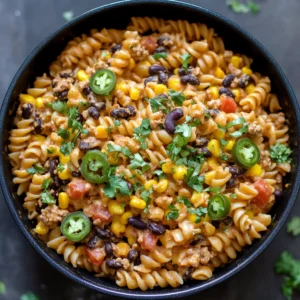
<point x="197" y="239"/>
<point x="227" y="92"/>
<point x="245" y="81"/>
<point x="137" y="261"/>
<point x="86" y="90"/>
<point x="128" y="111"/>
<point x="227" y="221"/>
<point x="113" y="264"/>
<point x="236" y="171"/>
<point x="94" y="113"/>
<point x="163" y="96"/>
<point x="137" y="223"/>
<point x="84" y="146"/>
<point x="76" y="174"/>
<point x="156" y="228"/>
<point x="92" y="98"/>
<point x="65" y="74"/>
<point x="108" y="248"/>
<point x="201" y="142"/>
<point x="116" y="48"/>
<point x="65" y="182"/>
<point x="182" y="71"/>
<point x="162" y="78"/>
<point x="103" y="234"/>
<point x="52" y="167"/>
<point x="39" y="208"/>
<point x="132" y="255"/>
<point x="213" y="112"/>
<point x="171" y="118"/>
<point x="228" y="80"/>
<point x="38" y="127"/>
<point x="205" y="152"/>
<point x="62" y="95"/>
<point x="92" y="242"/>
<point x="27" y="109"/>
<point x="150" y="79"/>
<point x="56" y="181"/>
<point x="161" y="41"/>
<point x="189" y="78"/>
<point x="231" y="182"/>
<point x="216" y="223"/>
<point x="278" y="194"/>
<point x="99" y="105"/>
<point x="155" y="69"/>
<point x="161" y="49"/>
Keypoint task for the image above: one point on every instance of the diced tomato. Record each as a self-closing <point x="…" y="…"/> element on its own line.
<point x="149" y="241"/>
<point x="98" y="212"/>
<point x="264" y="193"/>
<point x="77" y="188"/>
<point x="228" y="105"/>
<point x="149" y="42"/>
<point x="95" y="256"/>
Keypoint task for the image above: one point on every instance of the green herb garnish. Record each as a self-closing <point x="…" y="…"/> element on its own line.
<point x="185" y="57"/>
<point x="293" y="226"/>
<point x="243" y="8"/>
<point x="173" y="214"/>
<point x="159" y="55"/>
<point x="280" y="153"/>
<point x="141" y="133"/>
<point x="35" y="169"/>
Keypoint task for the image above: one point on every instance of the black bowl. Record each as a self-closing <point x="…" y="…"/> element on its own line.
<point x="117" y="15"/>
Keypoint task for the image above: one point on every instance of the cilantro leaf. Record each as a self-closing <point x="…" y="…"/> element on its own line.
<point x="223" y="143"/>
<point x="35" y="169"/>
<point x="238" y="121"/>
<point x="116" y="148"/>
<point x="60" y="167"/>
<point x="280" y="153"/>
<point x="59" y="106"/>
<point x="46" y="183"/>
<point x="64" y="133"/>
<point x="293" y="226"/>
<point x="159" y="55"/>
<point x="2" y="288"/>
<point x="233" y="196"/>
<point x="177" y="97"/>
<point x="194" y="122"/>
<point x="173" y="214"/>
<point x="224" y="156"/>
<point x="50" y="151"/>
<point x="159" y="104"/>
<point x="117" y="123"/>
<point x="243" y="8"/>
<point x="116" y="185"/>
<point x="215" y="189"/>
<point x="138" y="162"/>
<point x="184" y="200"/>
<point x="47" y="198"/>
<point x="185" y="57"/>
<point x="67" y="147"/>
<point x="193" y="180"/>
<point x="146" y="196"/>
<point x="29" y="296"/>
<point x="159" y="173"/>
<point x="199" y="212"/>
<point x="141" y="133"/>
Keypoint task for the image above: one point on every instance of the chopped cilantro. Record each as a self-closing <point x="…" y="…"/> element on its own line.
<point x="46" y="183"/>
<point x="29" y="296"/>
<point x="215" y="189"/>
<point x="141" y="133"/>
<point x="47" y="198"/>
<point x="185" y="57"/>
<point x="293" y="226"/>
<point x="116" y="185"/>
<point x="233" y="196"/>
<point x="280" y="153"/>
<point x="194" y="122"/>
<point x="199" y="212"/>
<point x="68" y="15"/>
<point x="59" y="106"/>
<point x="243" y="8"/>
<point x="67" y="147"/>
<point x="2" y="288"/>
<point x="160" y="104"/>
<point x="238" y="121"/>
<point x="116" y="148"/>
<point x="223" y="143"/>
<point x="159" y="173"/>
<point x="177" y="97"/>
<point x="60" y="167"/>
<point x="193" y="180"/>
<point x="184" y="200"/>
<point x="146" y="196"/>
<point x="35" y="169"/>
<point x="160" y="55"/>
<point x="224" y="156"/>
<point x="173" y="214"/>
<point x="50" y="151"/>
<point x="138" y="162"/>
<point x="64" y="133"/>
<point x="117" y="123"/>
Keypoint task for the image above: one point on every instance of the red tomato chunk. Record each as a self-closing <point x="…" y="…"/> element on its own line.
<point x="97" y="212"/>
<point x="149" y="42"/>
<point x="95" y="256"/>
<point x="228" y="105"/>
<point x="77" y="188"/>
<point x="264" y="193"/>
<point x="149" y="241"/>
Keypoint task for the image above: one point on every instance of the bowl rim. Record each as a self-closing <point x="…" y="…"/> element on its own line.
<point x="126" y="293"/>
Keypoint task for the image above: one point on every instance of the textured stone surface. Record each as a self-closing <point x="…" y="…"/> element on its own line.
<point x="23" y="23"/>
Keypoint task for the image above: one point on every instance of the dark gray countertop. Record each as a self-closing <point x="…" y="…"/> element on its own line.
<point x="23" y="23"/>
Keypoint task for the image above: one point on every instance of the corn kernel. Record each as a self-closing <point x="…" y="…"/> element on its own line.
<point x="250" y="88"/>
<point x="214" y="147"/>
<point x="25" y="98"/>
<point x="176" y="71"/>
<point x="82" y="76"/>
<point x="214" y="92"/>
<point x="38" y="138"/>
<point x="237" y="94"/>
<point x="212" y="163"/>
<point x="167" y="167"/>
<point x="115" y="208"/>
<point x="131" y="64"/>
<point x="219" y="73"/>
<point x="65" y="174"/>
<point x="150" y="183"/>
<point x="117" y="228"/>
<point x="229" y="145"/>
<point x="101" y="132"/>
<point x="124" y="218"/>
<point x="249" y="213"/>
<point x="256" y="170"/>
<point x="192" y="218"/>
<point x="209" y="176"/>
<point x="41" y="228"/>
<point x="131" y="240"/>
<point x="162" y="185"/>
<point x="63" y="200"/>
<point x="247" y="71"/>
<point x="64" y="159"/>
<point x="236" y="61"/>
<point x="206" y="218"/>
<point x="122" y="86"/>
<point x="123" y="249"/>
<point x="174" y="83"/>
<point x="196" y="197"/>
<point x="137" y="202"/>
<point x="160" y="89"/>
<point x="39" y="102"/>
<point x="219" y="134"/>
<point x="179" y="172"/>
<point x="134" y="94"/>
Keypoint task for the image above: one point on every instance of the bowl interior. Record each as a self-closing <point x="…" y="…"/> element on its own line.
<point x="118" y="16"/>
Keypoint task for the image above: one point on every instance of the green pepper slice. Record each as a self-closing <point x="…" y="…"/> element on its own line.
<point x="94" y="166"/>
<point x="245" y="153"/>
<point x="103" y="82"/>
<point x="76" y="226"/>
<point x="218" y="207"/>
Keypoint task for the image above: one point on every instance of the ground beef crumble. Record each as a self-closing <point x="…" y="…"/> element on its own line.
<point x="52" y="215"/>
<point x="254" y="128"/>
<point x="139" y="53"/>
<point x="265" y="160"/>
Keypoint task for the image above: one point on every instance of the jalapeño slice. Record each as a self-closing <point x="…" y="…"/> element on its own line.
<point x="245" y="153"/>
<point x="76" y="226"/>
<point x="103" y="82"/>
<point x="94" y="166"/>
<point x="218" y="207"/>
